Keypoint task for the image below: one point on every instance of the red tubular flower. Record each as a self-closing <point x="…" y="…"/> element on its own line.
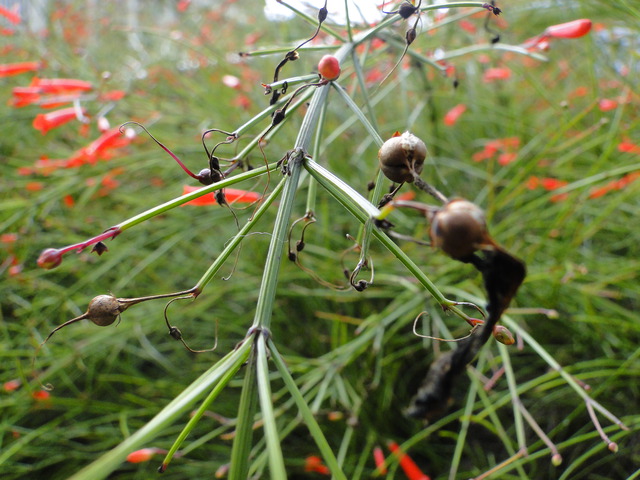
<point x="378" y="458"/>
<point x="142" y="455"/>
<point x="23" y="96"/>
<point x="232" y="195"/>
<point x="493" y="74"/>
<point x="606" y="104"/>
<point x="107" y="141"/>
<point x="409" y="467"/>
<point x="574" y="29"/>
<point x="314" y="463"/>
<point x="60" y="85"/>
<point x="12" y="16"/>
<point x="628" y="147"/>
<point x="452" y="116"/>
<point x="112" y="96"/>
<point x="8" y="69"/>
<point x="47" y="121"/>
<point x="552" y="183"/>
<point x="11" y="385"/>
<point x="41" y="395"/>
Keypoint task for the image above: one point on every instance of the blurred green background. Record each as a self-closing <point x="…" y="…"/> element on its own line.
<point x="549" y="197"/>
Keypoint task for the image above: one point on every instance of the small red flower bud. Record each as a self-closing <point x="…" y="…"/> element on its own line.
<point x="574" y="29"/>
<point x="503" y="335"/>
<point x="142" y="455"/>
<point x="50" y="258"/>
<point x="329" y="67"/>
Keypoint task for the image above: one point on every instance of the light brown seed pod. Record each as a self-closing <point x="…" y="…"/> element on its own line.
<point x="103" y="310"/>
<point x="401" y="157"/>
<point x="459" y="228"/>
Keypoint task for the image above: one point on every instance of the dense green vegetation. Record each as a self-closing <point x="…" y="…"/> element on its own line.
<point x="550" y="150"/>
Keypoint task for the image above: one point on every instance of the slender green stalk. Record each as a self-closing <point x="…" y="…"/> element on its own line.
<point x="266" y="295"/>
<point x="176" y="202"/>
<point x="556" y="366"/>
<point x="275" y="50"/>
<point x="276" y="460"/>
<point x="217" y="389"/>
<point x="490" y="47"/>
<point x="356" y="204"/>
<point x="307" y="415"/>
<point x="361" y="116"/>
<point x="235" y="241"/>
<point x="241" y="448"/>
<point x="515" y="398"/>
<point x="466" y="421"/>
<point x="290" y="82"/>
<point x="111" y="460"/>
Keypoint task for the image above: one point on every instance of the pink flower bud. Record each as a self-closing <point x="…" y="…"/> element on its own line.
<point x="329" y="67"/>
<point x="50" y="258"/>
<point x="556" y="460"/>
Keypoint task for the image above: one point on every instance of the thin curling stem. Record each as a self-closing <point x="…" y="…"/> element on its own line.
<point x="161" y="145"/>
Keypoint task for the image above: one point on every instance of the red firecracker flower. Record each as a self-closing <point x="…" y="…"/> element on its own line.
<point x="9" y="69"/>
<point x="573" y="29"/>
<point x="142" y="455"/>
<point x="231" y="194"/>
<point x="47" y="121"/>
<point x="409" y="467"/>
<point x="452" y="116"/>
<point x="314" y="463"/>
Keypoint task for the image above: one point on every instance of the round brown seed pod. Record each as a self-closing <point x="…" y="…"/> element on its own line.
<point x="401" y="157"/>
<point x="459" y="228"/>
<point x="103" y="310"/>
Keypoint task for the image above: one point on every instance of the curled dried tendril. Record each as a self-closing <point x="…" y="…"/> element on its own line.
<point x="177" y="334"/>
<point x="294" y="252"/>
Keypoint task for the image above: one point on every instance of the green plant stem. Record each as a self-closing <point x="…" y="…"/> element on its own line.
<point x="515" y="398"/>
<point x="556" y="366"/>
<point x="235" y="241"/>
<point x="276" y="460"/>
<point x="176" y="202"/>
<point x="290" y="82"/>
<point x="490" y="47"/>
<point x="307" y="415"/>
<point x="111" y="460"/>
<point x="466" y="421"/>
<point x="241" y="448"/>
<point x="193" y="421"/>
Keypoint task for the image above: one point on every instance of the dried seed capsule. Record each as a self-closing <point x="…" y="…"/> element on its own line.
<point x="459" y="228"/>
<point x="103" y="310"/>
<point x="401" y="157"/>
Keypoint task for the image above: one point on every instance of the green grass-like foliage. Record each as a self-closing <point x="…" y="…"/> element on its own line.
<point x="305" y="365"/>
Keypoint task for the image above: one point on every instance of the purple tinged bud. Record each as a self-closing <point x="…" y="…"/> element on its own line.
<point x="50" y="258"/>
